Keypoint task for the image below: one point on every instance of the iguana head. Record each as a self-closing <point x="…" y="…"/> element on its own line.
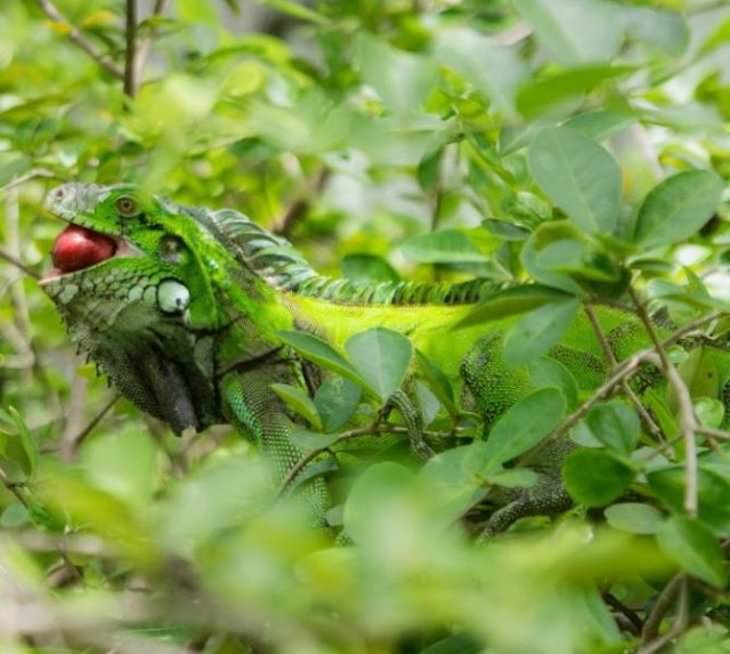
<point x="134" y="277"/>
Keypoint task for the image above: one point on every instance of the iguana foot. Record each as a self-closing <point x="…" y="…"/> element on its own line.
<point x="548" y="497"/>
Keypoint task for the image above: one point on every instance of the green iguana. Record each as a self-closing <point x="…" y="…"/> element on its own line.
<point x="182" y="309"/>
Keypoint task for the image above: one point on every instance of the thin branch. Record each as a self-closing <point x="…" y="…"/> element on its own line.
<point x="145" y="44"/>
<point x="130" y="52"/>
<point x="624" y="371"/>
<point x="75" y="442"/>
<point x="13" y="488"/>
<point x="19" y="264"/>
<point x="611" y="358"/>
<point x="31" y="174"/>
<point x="678" y="585"/>
<point x="633" y="621"/>
<point x="77" y="37"/>
<point x="372" y="428"/>
<point x="687" y="419"/>
<point x="300" y="206"/>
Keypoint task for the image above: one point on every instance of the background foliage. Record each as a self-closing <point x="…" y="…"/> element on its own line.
<point x="418" y="138"/>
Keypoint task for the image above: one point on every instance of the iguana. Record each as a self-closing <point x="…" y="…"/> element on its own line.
<point x="182" y="308"/>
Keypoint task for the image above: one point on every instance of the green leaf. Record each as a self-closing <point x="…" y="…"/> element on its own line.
<point x="579" y="176"/>
<point x="336" y="400"/>
<point x="600" y="124"/>
<point x="524" y="425"/>
<point x="30" y="447"/>
<point x="546" y="372"/>
<point x="713" y="489"/>
<point x="693" y="546"/>
<point x="380" y="485"/>
<point x="429" y="170"/>
<point x="296" y="10"/>
<point x="299" y="402"/>
<point x="634" y="518"/>
<point x="382" y="357"/>
<point x="710" y="412"/>
<point x="677" y="208"/>
<point x="123" y="465"/>
<point x="401" y="79"/>
<point x="505" y="230"/>
<point x="457" y="478"/>
<point x="437" y="381"/>
<point x="538" y="331"/>
<point x="665" y="30"/>
<point x="446" y="246"/>
<point x="575" y="32"/>
<point x="194" y="11"/>
<point x="309" y="441"/>
<point x="368" y="268"/>
<point x="720" y="36"/>
<point x="512" y="301"/>
<point x="494" y="71"/>
<point x="616" y="425"/>
<point x="540" y="95"/>
<point x="318" y="351"/>
<point x="596" y="477"/>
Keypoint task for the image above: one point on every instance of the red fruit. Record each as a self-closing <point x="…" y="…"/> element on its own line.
<point x="77" y="247"/>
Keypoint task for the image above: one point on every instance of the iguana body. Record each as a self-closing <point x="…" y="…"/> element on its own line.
<point x="182" y="308"/>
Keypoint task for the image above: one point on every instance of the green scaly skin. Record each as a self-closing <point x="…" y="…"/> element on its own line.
<point x="184" y="319"/>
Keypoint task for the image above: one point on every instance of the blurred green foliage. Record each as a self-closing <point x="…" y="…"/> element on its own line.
<point x="403" y="138"/>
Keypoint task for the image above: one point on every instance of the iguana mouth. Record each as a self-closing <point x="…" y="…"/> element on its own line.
<point x="78" y="248"/>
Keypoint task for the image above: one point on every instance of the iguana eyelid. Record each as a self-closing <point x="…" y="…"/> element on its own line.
<point x="126" y="206"/>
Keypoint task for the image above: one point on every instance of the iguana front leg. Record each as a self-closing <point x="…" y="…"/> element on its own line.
<point x="413" y="422"/>
<point x="256" y="411"/>
<point x="547" y="497"/>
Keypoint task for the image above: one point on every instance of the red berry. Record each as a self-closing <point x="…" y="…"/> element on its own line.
<point x="78" y="247"/>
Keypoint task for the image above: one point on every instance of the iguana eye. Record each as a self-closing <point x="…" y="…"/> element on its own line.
<point x="126" y="206"/>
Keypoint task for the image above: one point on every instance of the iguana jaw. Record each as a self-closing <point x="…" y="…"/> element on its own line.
<point x="119" y="247"/>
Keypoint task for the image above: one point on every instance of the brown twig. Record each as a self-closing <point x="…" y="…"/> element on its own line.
<point x="373" y="428"/>
<point x="13" y="488"/>
<point x="611" y="358"/>
<point x="77" y="37"/>
<point x="19" y="264"/>
<point x="22" y="179"/>
<point x="297" y="209"/>
<point x="75" y="442"/>
<point x="145" y="44"/>
<point x="687" y="420"/>
<point x="650" y="642"/>
<point x="130" y="51"/>
<point x="633" y="621"/>
<point x="625" y="370"/>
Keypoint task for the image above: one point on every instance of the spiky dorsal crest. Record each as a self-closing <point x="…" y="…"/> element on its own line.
<point x="281" y="265"/>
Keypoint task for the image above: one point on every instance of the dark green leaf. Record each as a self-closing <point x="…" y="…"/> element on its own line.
<point x="539" y="96"/>
<point x="446" y="246"/>
<point x="524" y="425"/>
<point x="677" y="208"/>
<point x="633" y="517"/>
<point x="299" y="402"/>
<point x="692" y="545"/>
<point x="322" y="353"/>
<point x="512" y="301"/>
<point x="381" y="356"/>
<point x="579" y="176"/>
<point x="596" y="477"/>
<point x="616" y="425"/>
<point x="538" y="331"/>
<point x="368" y="268"/>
